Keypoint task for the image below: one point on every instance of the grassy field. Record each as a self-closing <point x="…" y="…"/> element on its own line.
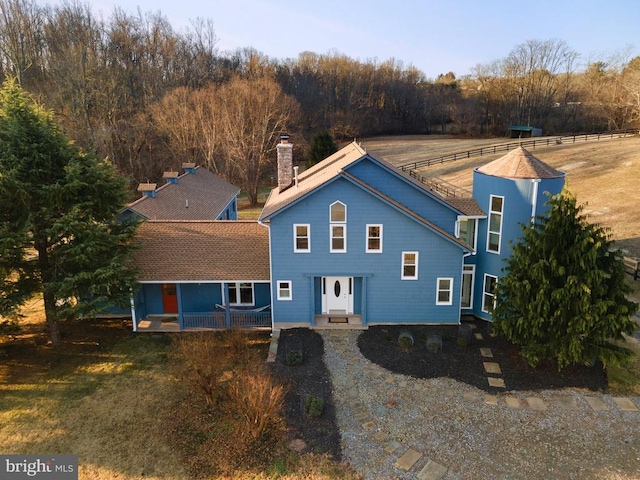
<point x="115" y="400"/>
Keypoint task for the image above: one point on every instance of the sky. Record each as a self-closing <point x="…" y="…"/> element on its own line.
<point x="434" y="36"/>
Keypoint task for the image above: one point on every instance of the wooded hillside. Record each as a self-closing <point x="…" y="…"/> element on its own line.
<point x="132" y="88"/>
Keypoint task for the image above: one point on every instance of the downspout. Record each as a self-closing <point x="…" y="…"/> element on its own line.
<point x="227" y="308"/>
<point x="270" y="278"/>
<point x="536" y="182"/>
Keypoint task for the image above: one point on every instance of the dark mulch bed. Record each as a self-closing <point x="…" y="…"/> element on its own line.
<point x="380" y="345"/>
<point x="310" y="378"/>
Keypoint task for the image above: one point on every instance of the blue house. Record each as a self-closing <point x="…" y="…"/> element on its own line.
<point x="351" y="242"/>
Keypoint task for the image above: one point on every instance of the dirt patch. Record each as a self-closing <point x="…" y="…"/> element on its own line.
<point x="380" y="345"/>
<point x="310" y="378"/>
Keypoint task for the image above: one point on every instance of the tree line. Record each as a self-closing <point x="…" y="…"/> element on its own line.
<point x="148" y="97"/>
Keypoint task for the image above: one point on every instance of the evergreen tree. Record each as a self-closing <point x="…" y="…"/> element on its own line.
<point x="563" y="295"/>
<point x="321" y="147"/>
<point x="58" y="230"/>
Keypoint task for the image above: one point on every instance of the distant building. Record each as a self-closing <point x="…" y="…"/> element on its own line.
<point x="516" y="131"/>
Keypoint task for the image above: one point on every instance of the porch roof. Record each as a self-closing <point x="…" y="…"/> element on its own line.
<point x="202" y="251"/>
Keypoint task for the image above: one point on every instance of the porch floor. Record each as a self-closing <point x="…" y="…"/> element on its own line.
<point x="338" y="322"/>
<point x="159" y="324"/>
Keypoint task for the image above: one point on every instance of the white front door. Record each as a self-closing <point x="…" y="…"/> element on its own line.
<point x="338" y="294"/>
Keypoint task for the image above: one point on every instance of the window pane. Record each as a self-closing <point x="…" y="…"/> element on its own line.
<point x="409" y="258"/>
<point x="302" y="243"/>
<point x="284" y="290"/>
<point x="246" y="293"/>
<point x="233" y="293"/>
<point x="494" y="222"/>
<point x="494" y="241"/>
<point x="443" y="296"/>
<point x="466" y="290"/>
<point x="496" y="204"/>
<point x="409" y="270"/>
<point x="338" y="212"/>
<point x="374" y="231"/>
<point x="337" y="243"/>
<point x="374" y="244"/>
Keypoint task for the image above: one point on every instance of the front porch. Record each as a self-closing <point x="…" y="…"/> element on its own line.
<point x="199" y="321"/>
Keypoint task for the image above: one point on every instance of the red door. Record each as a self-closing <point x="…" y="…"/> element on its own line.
<point x="169" y="298"/>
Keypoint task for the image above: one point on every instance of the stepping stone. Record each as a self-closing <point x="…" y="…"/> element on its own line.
<point x="408" y="460"/>
<point x="361" y="417"/>
<point x="492" y="367"/>
<point x="496" y="382"/>
<point x="486" y="352"/>
<point x="512" y="402"/>
<point x="389" y="380"/>
<point x="536" y="404"/>
<point x="478" y="336"/>
<point x="432" y="471"/>
<point x="469" y="396"/>
<point x="491" y="399"/>
<point x="567" y="403"/>
<point x="368" y="425"/>
<point x="625" y="404"/>
<point x="403" y="384"/>
<point x="380" y="436"/>
<point x="353" y="361"/>
<point x="392" y="446"/>
<point x="597" y="404"/>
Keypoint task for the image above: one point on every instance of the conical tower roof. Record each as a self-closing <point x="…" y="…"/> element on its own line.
<point x="520" y="163"/>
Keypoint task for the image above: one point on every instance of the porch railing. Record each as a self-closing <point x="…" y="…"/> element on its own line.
<point x="218" y="320"/>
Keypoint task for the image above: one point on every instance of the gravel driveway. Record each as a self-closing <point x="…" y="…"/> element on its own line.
<point x="440" y="428"/>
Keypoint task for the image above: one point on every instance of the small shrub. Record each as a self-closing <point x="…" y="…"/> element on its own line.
<point x="405" y="340"/>
<point x="465" y="334"/>
<point x="314" y="406"/>
<point x="434" y="343"/>
<point x="293" y="358"/>
<point x="257" y="401"/>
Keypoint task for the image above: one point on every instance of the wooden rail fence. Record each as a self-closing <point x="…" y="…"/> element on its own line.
<point x="504" y="147"/>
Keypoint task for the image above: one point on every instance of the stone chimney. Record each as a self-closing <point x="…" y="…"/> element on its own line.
<point x="285" y="163"/>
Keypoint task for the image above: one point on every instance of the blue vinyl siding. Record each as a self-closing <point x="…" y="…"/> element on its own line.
<point x="387" y="299"/>
<point x="230" y="212"/>
<point x="153" y="298"/>
<point x="200" y="297"/>
<point x="404" y="192"/>
<point x="518" y="198"/>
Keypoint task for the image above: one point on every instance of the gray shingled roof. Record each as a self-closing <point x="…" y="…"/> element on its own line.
<point x="205" y="193"/>
<point x="520" y="163"/>
<point x="331" y="167"/>
<point x="174" y="251"/>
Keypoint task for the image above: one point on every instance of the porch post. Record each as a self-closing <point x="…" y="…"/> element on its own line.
<point x="312" y="306"/>
<point x="179" y="295"/>
<point x="133" y="312"/>
<point x="227" y="311"/>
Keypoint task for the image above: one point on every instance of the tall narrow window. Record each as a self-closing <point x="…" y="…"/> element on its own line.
<point x="338" y="227"/>
<point x="241" y="293"/>
<point x="374" y="239"/>
<point x="444" y="290"/>
<point x="467" y="231"/>
<point x="409" y="265"/>
<point x="284" y="290"/>
<point x="488" y="295"/>
<point x="496" y="205"/>
<point x="468" y="272"/>
<point x="301" y="238"/>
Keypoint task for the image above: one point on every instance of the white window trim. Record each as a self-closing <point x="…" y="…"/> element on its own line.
<point x="475" y="232"/>
<point x="499" y="232"/>
<point x="295" y="238"/>
<point x="402" y="275"/>
<point x="450" y="290"/>
<point x="367" y="249"/>
<point x="289" y="287"/>
<point x="238" y="296"/>
<point x="342" y="224"/>
<point x="485" y="293"/>
<point x="471" y="270"/>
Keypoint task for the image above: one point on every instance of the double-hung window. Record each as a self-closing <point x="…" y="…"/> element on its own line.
<point x="338" y="227"/>
<point x="409" y="265"/>
<point x="284" y="290"/>
<point x="466" y="231"/>
<point x="443" y="293"/>
<point x="374" y="239"/>
<point x="496" y="207"/>
<point x="241" y="293"/>
<point x="301" y="238"/>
